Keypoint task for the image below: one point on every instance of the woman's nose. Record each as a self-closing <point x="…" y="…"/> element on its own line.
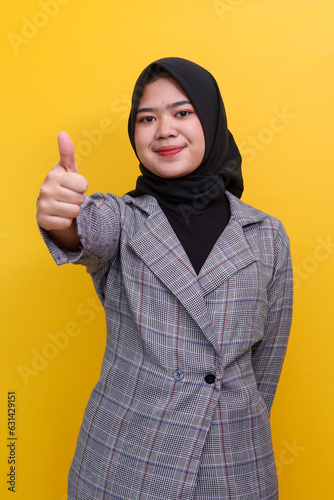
<point x="166" y="128"/>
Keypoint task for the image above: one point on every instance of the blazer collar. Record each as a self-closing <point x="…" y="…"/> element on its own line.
<point x="240" y="211"/>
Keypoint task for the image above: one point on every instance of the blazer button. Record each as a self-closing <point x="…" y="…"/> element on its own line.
<point x="210" y="378"/>
<point x="178" y="375"/>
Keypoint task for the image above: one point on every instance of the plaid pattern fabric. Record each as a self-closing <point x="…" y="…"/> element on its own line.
<point x="156" y="425"/>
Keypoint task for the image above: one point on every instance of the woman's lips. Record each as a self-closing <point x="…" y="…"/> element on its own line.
<point x="169" y="151"/>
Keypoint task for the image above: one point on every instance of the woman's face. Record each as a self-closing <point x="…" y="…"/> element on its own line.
<point x="168" y="134"/>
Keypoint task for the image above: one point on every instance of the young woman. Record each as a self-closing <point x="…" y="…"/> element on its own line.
<point x="197" y="291"/>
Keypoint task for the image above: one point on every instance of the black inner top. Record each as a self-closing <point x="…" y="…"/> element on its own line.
<point x="199" y="231"/>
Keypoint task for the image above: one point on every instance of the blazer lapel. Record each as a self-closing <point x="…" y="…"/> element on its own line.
<point x="231" y="252"/>
<point x="157" y="245"/>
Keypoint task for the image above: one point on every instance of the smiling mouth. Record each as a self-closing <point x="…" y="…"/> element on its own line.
<point x="169" y="151"/>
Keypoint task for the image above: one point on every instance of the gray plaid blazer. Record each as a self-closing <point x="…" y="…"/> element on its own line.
<point x="181" y="409"/>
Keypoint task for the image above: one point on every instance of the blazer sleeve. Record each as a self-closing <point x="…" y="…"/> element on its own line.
<point x="269" y="353"/>
<point x="98" y="227"/>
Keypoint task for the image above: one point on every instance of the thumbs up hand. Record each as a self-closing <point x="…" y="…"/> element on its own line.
<point x="62" y="191"/>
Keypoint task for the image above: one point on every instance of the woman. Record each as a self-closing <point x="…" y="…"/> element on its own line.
<point x="197" y="290"/>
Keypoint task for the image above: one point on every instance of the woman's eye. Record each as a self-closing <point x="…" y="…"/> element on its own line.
<point x="147" y="119"/>
<point x="183" y="114"/>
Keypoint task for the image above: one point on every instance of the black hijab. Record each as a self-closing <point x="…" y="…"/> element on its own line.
<point x="220" y="168"/>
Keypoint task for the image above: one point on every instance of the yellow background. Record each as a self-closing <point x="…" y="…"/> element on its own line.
<point x="71" y="65"/>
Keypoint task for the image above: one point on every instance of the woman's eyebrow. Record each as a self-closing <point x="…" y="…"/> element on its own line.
<point x="179" y="103"/>
<point x="169" y="106"/>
